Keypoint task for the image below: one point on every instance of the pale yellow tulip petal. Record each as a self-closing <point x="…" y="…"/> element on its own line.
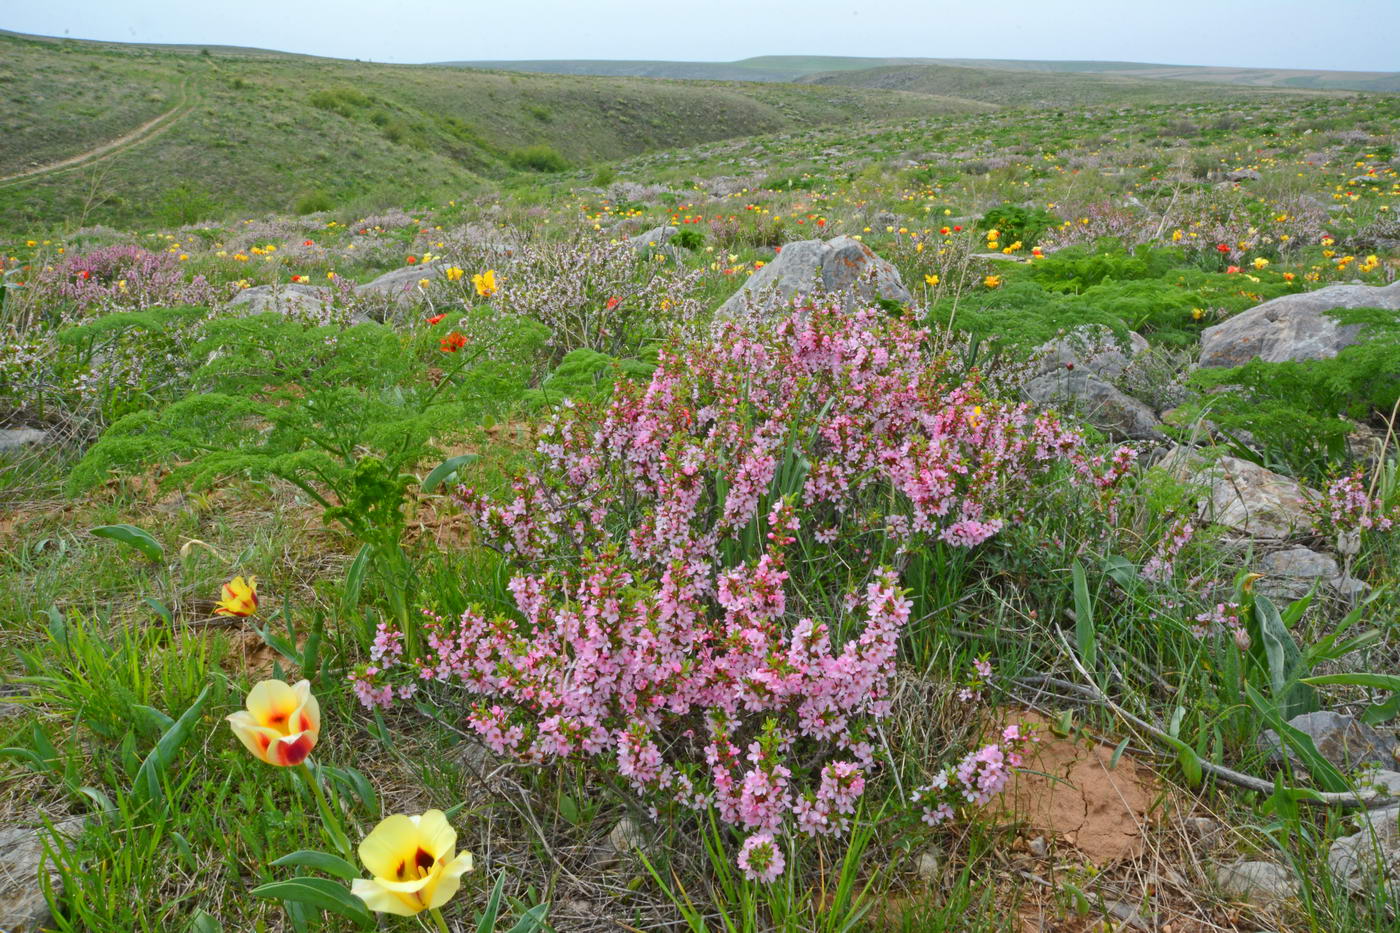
<point x="379" y="900"/>
<point x="388" y="846"/>
<point x="458" y="866"/>
<point x="272" y="703"/>
<point x="444" y="890"/>
<point x="436" y="835"/>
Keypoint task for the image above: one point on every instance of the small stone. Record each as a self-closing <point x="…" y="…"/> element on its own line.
<point x="15" y="438"/>
<point x="1261" y="883"/>
<point x="626" y="835"/>
<point x="1038" y="847"/>
<point x="1361" y="860"/>
<point x="22" y="905"/>
<point x="930" y="865"/>
<point x="1344" y="740"/>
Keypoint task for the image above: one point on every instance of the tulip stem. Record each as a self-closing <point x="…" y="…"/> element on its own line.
<point x="328" y="813"/>
<point x="438" y="920"/>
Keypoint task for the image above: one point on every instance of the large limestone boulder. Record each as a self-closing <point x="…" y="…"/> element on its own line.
<point x="1293" y="327"/>
<point x="1096" y="401"/>
<point x="1244" y="496"/>
<point x="840" y="266"/>
<point x="656" y="236"/>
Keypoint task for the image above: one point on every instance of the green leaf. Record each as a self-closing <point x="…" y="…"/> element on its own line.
<point x="318" y="893"/>
<point x="487" y="923"/>
<point x="1322" y="770"/>
<point x="132" y="537"/>
<point x="1359" y="679"/>
<point x="355" y="579"/>
<point x="161" y="609"/>
<point x="1084" y="634"/>
<point x="321" y="861"/>
<point x="147" y="785"/>
<point x="444" y="470"/>
<point x="204" y="922"/>
<point x="1284" y="660"/>
<point x="531" y="920"/>
<point x="1382" y="712"/>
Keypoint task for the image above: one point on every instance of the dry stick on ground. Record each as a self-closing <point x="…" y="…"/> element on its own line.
<point x="1360" y="798"/>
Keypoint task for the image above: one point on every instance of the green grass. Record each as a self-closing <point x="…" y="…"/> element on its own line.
<point x="264" y="130"/>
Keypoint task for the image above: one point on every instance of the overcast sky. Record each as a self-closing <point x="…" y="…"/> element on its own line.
<point x="1339" y="34"/>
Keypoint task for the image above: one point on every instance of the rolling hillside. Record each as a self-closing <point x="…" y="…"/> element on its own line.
<point x="244" y="130"/>
<point x="799" y="67"/>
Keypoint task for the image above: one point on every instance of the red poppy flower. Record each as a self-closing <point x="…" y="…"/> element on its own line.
<point x="958" y="229"/>
<point x="436" y="318"/>
<point x="1232" y="270"/>
<point x="1222" y="248"/>
<point x="452" y="342"/>
<point x="308" y="243"/>
<point x="613" y="303"/>
<point x="411" y="260"/>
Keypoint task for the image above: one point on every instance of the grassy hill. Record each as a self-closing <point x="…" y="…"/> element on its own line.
<point x="799" y="67"/>
<point x="1033" y="89"/>
<point x="254" y="131"/>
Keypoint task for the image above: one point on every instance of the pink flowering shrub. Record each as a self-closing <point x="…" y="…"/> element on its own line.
<point x="124" y="278"/>
<point x="976" y="779"/>
<point x="705" y="587"/>
<point x="1347" y="509"/>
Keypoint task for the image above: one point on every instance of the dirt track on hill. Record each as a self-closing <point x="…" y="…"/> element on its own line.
<point x="146" y="131"/>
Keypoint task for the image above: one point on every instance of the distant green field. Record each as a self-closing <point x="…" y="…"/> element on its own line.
<point x="256" y="131"/>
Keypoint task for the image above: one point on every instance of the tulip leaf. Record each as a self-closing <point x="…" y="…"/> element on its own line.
<point x="487" y="923"/>
<point x="531" y="920"/>
<point x="318" y="893"/>
<point x="204" y="922"/>
<point x="147" y="784"/>
<point x="132" y="537"/>
<point x="355" y="578"/>
<point x="321" y="861"/>
<point x="444" y="470"/>
<point x="1359" y="679"/>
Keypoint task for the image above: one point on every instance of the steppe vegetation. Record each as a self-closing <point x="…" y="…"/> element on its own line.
<point x="350" y="478"/>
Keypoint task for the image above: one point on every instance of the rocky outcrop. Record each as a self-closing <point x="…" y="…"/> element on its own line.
<point x="1365" y="860"/>
<point x="1096" y="401"/>
<point x="656" y="236"/>
<point x="22" y="905"/>
<point x="12" y="439"/>
<point x="1344" y="740"/>
<point x="1090" y="346"/>
<point x="400" y="285"/>
<point x="1293" y="327"/>
<point x="293" y="299"/>
<point x="1243" y="496"/>
<point x="1290" y="574"/>
<point x="840" y="266"/>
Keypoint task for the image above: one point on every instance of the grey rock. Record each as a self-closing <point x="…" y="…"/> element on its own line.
<point x="294" y="298"/>
<point x="656" y="236"/>
<point x="1038" y="847"/>
<point x="22" y="905"/>
<point x="930" y="865"/>
<point x="15" y="438"/>
<point x="883" y="219"/>
<point x="1344" y="740"/>
<point x="1090" y="346"/>
<point x="401" y="285"/>
<point x="1098" y="402"/>
<point x="1243" y="496"/>
<point x="1261" y="883"/>
<point x="626" y="835"/>
<point x="1383" y="780"/>
<point x="1291" y="573"/>
<point x="1360" y="861"/>
<point x="1293" y="327"/>
<point x="841" y="266"/>
<point x="1243" y="174"/>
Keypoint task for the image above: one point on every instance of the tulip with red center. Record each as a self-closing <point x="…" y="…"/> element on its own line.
<point x="281" y="722"/>
<point x="238" y="597"/>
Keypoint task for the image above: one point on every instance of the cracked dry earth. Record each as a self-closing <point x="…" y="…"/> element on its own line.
<point x="1068" y="791"/>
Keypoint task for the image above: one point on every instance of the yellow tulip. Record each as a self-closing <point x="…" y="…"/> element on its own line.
<point x="931" y="280"/>
<point x="992" y="281"/>
<point x="239" y="597"/>
<point x="414" y="862"/>
<point x="485" y="283"/>
<point x="281" y="723"/>
<point x="453" y="273"/>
